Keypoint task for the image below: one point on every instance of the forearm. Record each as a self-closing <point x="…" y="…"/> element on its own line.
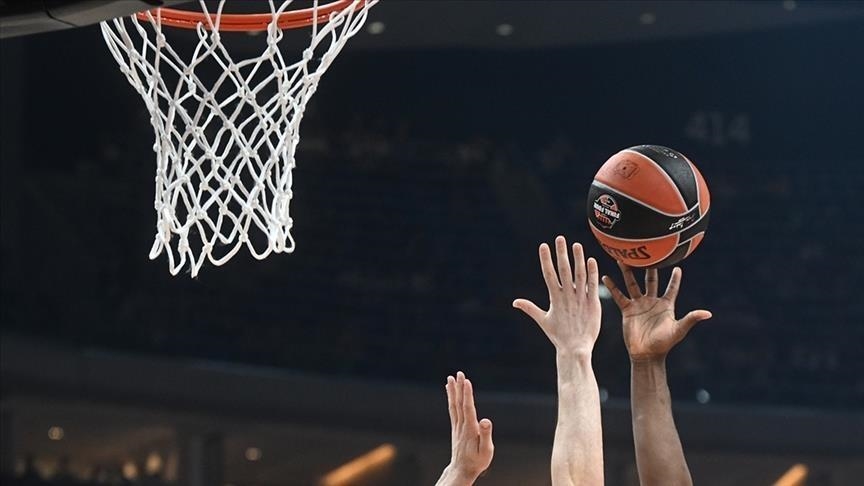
<point x="659" y="455"/>
<point x="577" y="453"/>
<point x="452" y="477"/>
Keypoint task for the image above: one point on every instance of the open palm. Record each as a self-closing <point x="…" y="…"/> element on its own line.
<point x="650" y="327"/>
<point x="572" y="322"/>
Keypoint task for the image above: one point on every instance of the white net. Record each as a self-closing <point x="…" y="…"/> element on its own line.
<point x="226" y="129"/>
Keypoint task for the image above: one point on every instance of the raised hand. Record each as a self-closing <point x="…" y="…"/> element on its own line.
<point x="471" y="440"/>
<point x="572" y="322"/>
<point x="650" y="331"/>
<point x="650" y="327"/>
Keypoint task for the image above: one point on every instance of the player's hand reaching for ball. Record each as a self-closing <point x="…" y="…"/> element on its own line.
<point x="572" y="322"/>
<point x="650" y="327"/>
<point x="471" y="440"/>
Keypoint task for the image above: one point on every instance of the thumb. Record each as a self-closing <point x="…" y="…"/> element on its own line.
<point x="530" y="308"/>
<point x="692" y="318"/>
<point x="485" y="434"/>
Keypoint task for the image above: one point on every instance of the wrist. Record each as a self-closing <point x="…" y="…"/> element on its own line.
<point x="571" y="354"/>
<point x="457" y="476"/>
<point x="648" y="375"/>
<point x="652" y="359"/>
<point x="574" y="368"/>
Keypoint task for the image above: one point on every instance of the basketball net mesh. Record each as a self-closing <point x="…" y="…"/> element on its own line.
<point x="225" y="143"/>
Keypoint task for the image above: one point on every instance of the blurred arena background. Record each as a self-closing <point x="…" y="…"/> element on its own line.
<point x="445" y="143"/>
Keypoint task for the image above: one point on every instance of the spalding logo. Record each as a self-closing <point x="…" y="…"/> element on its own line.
<point x="634" y="253"/>
<point x="606" y="211"/>
<point x="626" y="169"/>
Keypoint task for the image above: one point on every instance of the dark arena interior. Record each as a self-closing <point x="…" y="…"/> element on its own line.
<point x="445" y="143"/>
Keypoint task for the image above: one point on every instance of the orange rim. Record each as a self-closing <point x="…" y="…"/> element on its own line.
<point x="185" y="19"/>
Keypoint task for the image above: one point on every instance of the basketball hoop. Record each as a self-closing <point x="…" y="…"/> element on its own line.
<point x="226" y="139"/>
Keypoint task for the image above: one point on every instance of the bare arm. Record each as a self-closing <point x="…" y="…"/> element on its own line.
<point x="572" y="323"/>
<point x="659" y="455"/>
<point x="650" y="332"/>
<point x="471" y="441"/>
<point x="577" y="453"/>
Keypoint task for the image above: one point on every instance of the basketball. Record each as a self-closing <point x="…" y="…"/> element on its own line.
<point x="648" y="206"/>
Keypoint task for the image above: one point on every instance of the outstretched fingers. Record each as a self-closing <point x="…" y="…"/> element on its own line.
<point x="630" y="281"/>
<point x="592" y="283"/>
<point x="564" y="272"/>
<point x="531" y="309"/>
<point x="486" y="436"/>
<point x="692" y="318"/>
<point x="460" y="397"/>
<point x="674" y="285"/>
<point x="451" y="399"/>
<point x="579" y="270"/>
<point x="548" y="268"/>
<point x="469" y="411"/>
<point x="620" y="299"/>
<point x="651" y="282"/>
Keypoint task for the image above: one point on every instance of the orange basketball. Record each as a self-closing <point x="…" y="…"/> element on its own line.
<point x="648" y="206"/>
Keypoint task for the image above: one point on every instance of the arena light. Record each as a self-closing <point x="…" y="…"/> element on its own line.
<point x="795" y="476"/>
<point x="130" y="470"/>
<point x="790" y="5"/>
<point x="253" y="454"/>
<point x="376" y="28"/>
<point x="647" y="18"/>
<point x="56" y="433"/>
<point x="603" y="292"/>
<point x="153" y="464"/>
<point x="360" y="466"/>
<point x="504" y="30"/>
